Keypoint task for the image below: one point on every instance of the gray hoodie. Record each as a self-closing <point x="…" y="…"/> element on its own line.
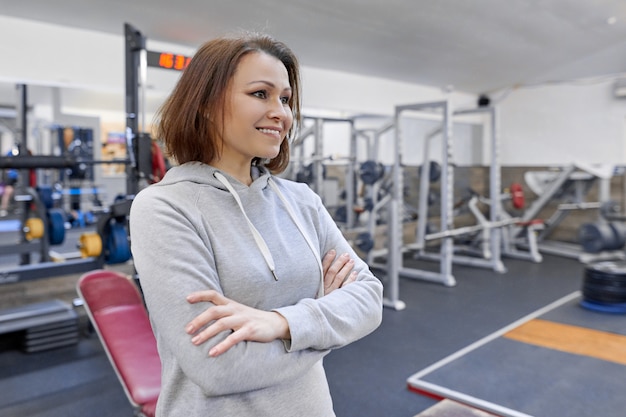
<point x="189" y="233"/>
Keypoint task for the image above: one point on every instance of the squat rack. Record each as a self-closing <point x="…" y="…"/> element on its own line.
<point x="316" y="130"/>
<point x="446" y="256"/>
<point x="491" y="229"/>
<point x="395" y="261"/>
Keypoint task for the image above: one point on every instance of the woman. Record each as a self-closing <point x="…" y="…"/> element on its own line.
<point x="228" y="255"/>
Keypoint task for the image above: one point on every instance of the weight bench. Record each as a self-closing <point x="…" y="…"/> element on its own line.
<point x="116" y="310"/>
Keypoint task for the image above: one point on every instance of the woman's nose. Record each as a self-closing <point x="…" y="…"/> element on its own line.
<point x="279" y="109"/>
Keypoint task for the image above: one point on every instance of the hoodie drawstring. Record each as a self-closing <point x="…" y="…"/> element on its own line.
<point x="265" y="251"/>
<point x="259" y="239"/>
<point x="320" y="291"/>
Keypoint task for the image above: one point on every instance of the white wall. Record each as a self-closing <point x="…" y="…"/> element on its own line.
<point x="556" y="124"/>
<point x="563" y="123"/>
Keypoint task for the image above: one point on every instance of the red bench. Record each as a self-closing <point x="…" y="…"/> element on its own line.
<point x="116" y="310"/>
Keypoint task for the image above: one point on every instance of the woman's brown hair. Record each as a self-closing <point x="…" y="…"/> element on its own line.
<point x="188" y="118"/>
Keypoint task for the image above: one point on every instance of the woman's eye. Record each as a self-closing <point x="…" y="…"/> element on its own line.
<point x="285" y="100"/>
<point x="260" y="94"/>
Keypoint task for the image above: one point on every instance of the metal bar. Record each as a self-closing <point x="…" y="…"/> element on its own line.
<point x="447" y="189"/>
<point x="421" y="106"/>
<point x="422" y="202"/>
<point x="135" y="43"/>
<point x="351" y="180"/>
<point x="459" y="231"/>
<point x="394" y="238"/>
<point x="447" y="280"/>
<point x="36" y="161"/>
<point x="579" y="206"/>
<point x="556" y="185"/>
<point x="48" y="269"/>
<point x="495" y="185"/>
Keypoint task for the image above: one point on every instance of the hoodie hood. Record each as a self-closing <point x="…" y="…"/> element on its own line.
<point x="201" y="173"/>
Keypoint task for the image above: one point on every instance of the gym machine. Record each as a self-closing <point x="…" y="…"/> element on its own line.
<point x="568" y="187"/>
<point x="145" y="163"/>
<point x="488" y="230"/>
<point x="311" y="169"/>
<point x="40" y="225"/>
<point x="361" y="180"/>
<point x="375" y="188"/>
<point x="110" y="243"/>
<point x="447" y="233"/>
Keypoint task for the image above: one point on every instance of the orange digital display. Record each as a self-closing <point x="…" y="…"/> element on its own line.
<point x="167" y="60"/>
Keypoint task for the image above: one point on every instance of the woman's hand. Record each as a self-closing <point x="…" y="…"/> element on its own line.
<point x="337" y="271"/>
<point x="246" y="323"/>
<point x="251" y="324"/>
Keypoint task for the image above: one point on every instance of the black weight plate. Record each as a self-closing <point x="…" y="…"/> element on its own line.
<point x="604" y="295"/>
<point x="619" y="231"/>
<point x="605" y="280"/>
<point x="614" y="268"/>
<point x="595" y="238"/>
<point x="619" y="291"/>
<point x="592" y="275"/>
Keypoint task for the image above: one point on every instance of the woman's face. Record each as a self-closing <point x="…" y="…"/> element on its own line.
<point x="257" y="116"/>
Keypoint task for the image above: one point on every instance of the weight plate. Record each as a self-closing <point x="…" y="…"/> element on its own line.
<point x="605" y="280"/>
<point x="604" y="295"/>
<point x="619" y="233"/>
<point x="371" y="171"/>
<point x="117" y="245"/>
<point x="608" y="267"/>
<point x="33" y="228"/>
<point x="90" y="245"/>
<point x="595" y="238"/>
<point x="610" y="208"/>
<point x="56" y="226"/>
<point x="341" y="214"/>
<point x="434" y="171"/>
<point x="604" y="308"/>
<point x="364" y="242"/>
<point x="46" y="196"/>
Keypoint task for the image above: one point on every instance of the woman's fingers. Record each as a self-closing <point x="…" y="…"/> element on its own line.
<point x="208" y="315"/>
<point x="244" y="323"/>
<point x="207" y="295"/>
<point x="328" y="259"/>
<point x="337" y="273"/>
<point x="351" y="278"/>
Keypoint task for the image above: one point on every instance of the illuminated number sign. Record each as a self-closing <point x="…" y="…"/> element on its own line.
<point x="167" y="60"/>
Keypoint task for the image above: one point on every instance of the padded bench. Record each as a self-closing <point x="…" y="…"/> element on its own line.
<point x="116" y="310"/>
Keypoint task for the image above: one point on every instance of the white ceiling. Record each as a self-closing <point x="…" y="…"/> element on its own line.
<point x="475" y="46"/>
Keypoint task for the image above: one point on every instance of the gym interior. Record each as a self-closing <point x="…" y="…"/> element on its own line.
<point x="473" y="153"/>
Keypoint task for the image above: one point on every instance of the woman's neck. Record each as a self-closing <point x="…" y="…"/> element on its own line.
<point x="240" y="172"/>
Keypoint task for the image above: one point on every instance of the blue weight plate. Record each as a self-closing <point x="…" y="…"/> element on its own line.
<point x="56" y="226"/>
<point x="618" y="308"/>
<point x="117" y="246"/>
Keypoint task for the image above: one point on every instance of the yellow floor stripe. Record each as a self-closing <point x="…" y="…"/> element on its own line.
<point x="572" y="339"/>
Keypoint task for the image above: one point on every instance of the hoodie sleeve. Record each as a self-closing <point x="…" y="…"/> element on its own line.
<point x="173" y="259"/>
<point x="343" y="316"/>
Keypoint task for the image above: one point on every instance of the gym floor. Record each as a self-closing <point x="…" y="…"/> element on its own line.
<point x="367" y="378"/>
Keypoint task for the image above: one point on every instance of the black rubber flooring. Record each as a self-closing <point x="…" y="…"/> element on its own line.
<point x="367" y="378"/>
